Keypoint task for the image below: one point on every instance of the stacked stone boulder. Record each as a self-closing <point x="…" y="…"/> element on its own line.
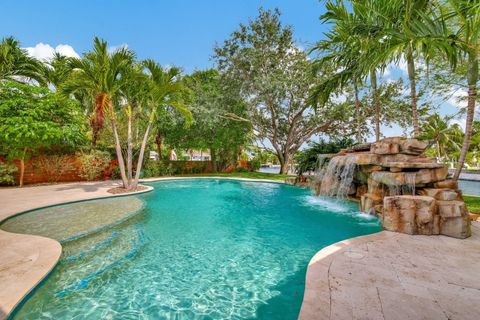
<point x="410" y="192"/>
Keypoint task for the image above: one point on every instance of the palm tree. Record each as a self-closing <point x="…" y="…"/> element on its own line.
<point x="165" y="90"/>
<point x="349" y="45"/>
<point x="16" y="64"/>
<point x="438" y="130"/>
<point x="56" y="71"/>
<point x="100" y="74"/>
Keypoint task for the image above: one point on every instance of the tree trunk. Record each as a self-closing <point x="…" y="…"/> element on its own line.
<point x="158" y="142"/>
<point x="213" y="156"/>
<point x="413" y="93"/>
<point x="118" y="150"/>
<point x="284" y="163"/>
<point x="376" y="106"/>
<point x="472" y="77"/>
<point x="22" y="167"/>
<point x="472" y="95"/>
<point x="129" y="146"/>
<point x="133" y="187"/>
<point x="357" y="113"/>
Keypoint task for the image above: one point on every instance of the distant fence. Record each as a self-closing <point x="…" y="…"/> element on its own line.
<point x="48" y="169"/>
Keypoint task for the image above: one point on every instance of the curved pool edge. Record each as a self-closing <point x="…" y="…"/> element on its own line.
<point x="27" y="260"/>
<point x="317" y="296"/>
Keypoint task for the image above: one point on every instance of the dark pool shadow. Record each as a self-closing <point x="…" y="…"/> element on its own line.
<point x="286" y="305"/>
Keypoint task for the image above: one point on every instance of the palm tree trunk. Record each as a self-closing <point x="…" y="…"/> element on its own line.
<point x="376" y="106"/>
<point x="357" y="113"/>
<point x="472" y="96"/>
<point x="129" y="146"/>
<point x="22" y="167"/>
<point x="158" y="142"/>
<point x="472" y="77"/>
<point x="118" y="150"/>
<point x="413" y="93"/>
<point x="140" y="156"/>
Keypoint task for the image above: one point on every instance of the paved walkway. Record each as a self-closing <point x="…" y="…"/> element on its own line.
<point x="395" y="276"/>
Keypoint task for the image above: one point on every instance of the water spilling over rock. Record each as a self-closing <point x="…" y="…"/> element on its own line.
<point x="394" y="180"/>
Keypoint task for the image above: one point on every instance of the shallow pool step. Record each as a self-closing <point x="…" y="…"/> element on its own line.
<point x="97" y="244"/>
<point x="122" y="245"/>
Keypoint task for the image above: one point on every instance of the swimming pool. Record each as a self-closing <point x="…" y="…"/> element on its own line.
<point x="201" y="248"/>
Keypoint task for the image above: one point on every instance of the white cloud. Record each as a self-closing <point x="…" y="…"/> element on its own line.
<point x="44" y="51"/>
<point x="112" y="49"/>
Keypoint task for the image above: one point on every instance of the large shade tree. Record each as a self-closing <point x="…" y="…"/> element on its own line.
<point x="275" y="78"/>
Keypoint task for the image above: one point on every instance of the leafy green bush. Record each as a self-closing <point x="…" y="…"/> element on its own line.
<point x="241" y="169"/>
<point x="54" y="166"/>
<point x="155" y="168"/>
<point x="7" y="171"/>
<point x="255" y="164"/>
<point x="307" y="158"/>
<point x="92" y="164"/>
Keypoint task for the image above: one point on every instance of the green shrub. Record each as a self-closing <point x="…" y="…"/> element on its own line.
<point x="241" y="169"/>
<point x="155" y="168"/>
<point x="255" y="164"/>
<point x="92" y="164"/>
<point x="7" y="171"/>
<point x="54" y="166"/>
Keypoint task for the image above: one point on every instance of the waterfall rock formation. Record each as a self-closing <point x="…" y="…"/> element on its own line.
<point x="394" y="180"/>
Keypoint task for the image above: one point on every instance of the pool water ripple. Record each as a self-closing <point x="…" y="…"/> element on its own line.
<point x="202" y="249"/>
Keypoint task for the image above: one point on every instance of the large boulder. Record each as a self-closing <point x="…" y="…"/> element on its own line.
<point x="413" y="146"/>
<point x="410" y="214"/>
<point x="446" y="184"/>
<point x="440" y="194"/>
<point x="431" y="175"/>
<point x="385" y="147"/>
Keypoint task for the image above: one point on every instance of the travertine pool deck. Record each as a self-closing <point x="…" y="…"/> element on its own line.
<point x="395" y="276"/>
<point x="381" y="276"/>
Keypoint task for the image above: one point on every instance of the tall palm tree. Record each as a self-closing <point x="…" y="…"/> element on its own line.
<point x="98" y="74"/>
<point x="56" y="71"/>
<point x="16" y="64"/>
<point x="165" y="90"/>
<point x="466" y="15"/>
<point x="101" y="75"/>
<point x="349" y="45"/>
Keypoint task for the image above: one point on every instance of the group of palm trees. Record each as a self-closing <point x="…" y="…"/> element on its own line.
<point x="106" y="83"/>
<point x="368" y="35"/>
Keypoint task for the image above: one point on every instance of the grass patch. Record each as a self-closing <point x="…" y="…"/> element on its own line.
<point x="250" y="175"/>
<point x="473" y="204"/>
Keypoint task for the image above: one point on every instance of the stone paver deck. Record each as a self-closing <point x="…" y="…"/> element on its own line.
<point x="25" y="259"/>
<point x="395" y="276"/>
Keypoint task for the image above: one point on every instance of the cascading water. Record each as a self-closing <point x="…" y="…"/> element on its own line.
<point x="336" y="179"/>
<point x="408" y="188"/>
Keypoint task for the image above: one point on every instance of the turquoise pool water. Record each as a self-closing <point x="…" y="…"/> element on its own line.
<point x="202" y="249"/>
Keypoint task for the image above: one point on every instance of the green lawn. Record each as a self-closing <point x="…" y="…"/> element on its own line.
<point x="473" y="203"/>
<point x="251" y="175"/>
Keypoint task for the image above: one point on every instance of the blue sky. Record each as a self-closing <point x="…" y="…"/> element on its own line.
<point x="179" y="33"/>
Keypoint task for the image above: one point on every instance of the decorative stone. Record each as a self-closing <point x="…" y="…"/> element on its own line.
<point x="412" y="165"/>
<point x="458" y="227"/>
<point x="368" y="202"/>
<point x="363" y="158"/>
<point x="451" y="209"/>
<point x="446" y="184"/>
<point x="413" y="146"/>
<point x="393" y="169"/>
<point x="410" y="214"/>
<point x="439" y="194"/>
<point x="361" y="190"/>
<point x="385" y="147"/>
<point x="431" y="175"/>
<point x="474" y="216"/>
<point x="371" y="168"/>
